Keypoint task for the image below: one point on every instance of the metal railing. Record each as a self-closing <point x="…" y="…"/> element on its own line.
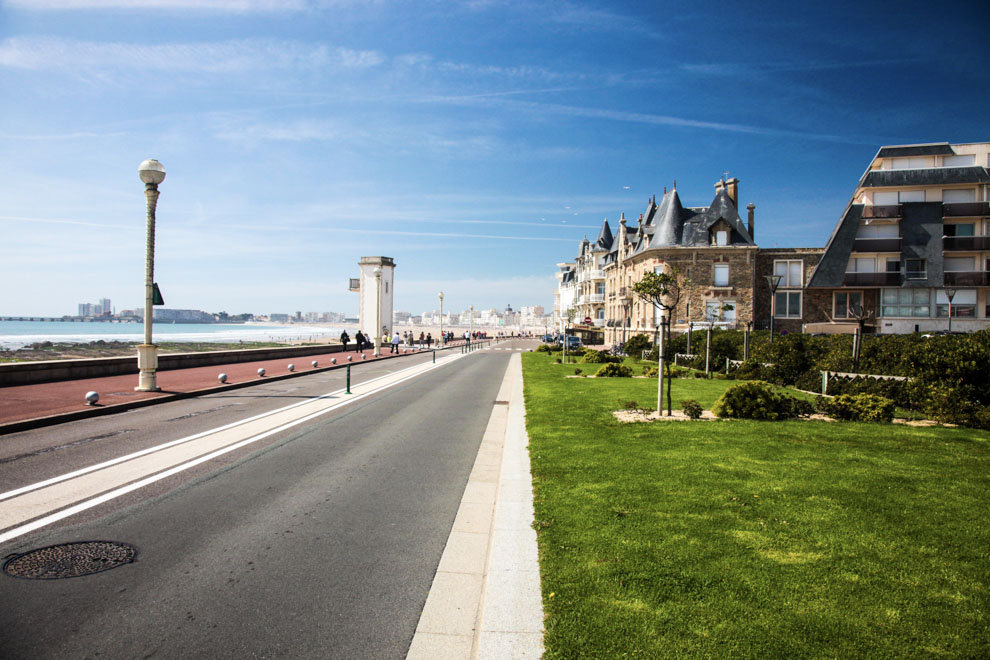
<point x="872" y="279"/>
<point x="967" y="278"/>
<point x="877" y="245"/>
<point x="951" y="243"/>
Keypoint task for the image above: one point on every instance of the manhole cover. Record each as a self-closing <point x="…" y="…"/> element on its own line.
<point x="69" y="560"/>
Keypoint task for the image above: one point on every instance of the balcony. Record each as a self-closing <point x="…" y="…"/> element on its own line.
<point x="595" y="298"/>
<point x="877" y="245"/>
<point x="872" y="279"/>
<point x="965" y="243"/>
<point x="589" y="275"/>
<point x="873" y="211"/>
<point x="970" y="278"/>
<point x="965" y="209"/>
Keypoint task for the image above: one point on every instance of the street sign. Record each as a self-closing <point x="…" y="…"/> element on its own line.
<point x="587" y="320"/>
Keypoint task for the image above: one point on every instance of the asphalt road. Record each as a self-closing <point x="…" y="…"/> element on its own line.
<point x="320" y="541"/>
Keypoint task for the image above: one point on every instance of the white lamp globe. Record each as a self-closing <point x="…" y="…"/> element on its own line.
<point x="151" y="171"/>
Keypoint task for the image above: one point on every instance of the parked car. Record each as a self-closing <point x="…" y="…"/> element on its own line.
<point x="573" y="342"/>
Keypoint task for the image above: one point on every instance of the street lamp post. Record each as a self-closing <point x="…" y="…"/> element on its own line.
<point x="441" y="337"/>
<point x="470" y="322"/>
<point x="950" y="294"/>
<point x="774" y="282"/>
<point x="152" y="173"/>
<point x="378" y="310"/>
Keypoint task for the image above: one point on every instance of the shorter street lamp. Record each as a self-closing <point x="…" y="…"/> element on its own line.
<point x="152" y="173"/>
<point x="440" y="338"/>
<point x="774" y="282"/>
<point x="950" y="294"/>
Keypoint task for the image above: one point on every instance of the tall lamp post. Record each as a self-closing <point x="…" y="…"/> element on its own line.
<point x="950" y="294"/>
<point x="378" y="310"/>
<point x="441" y="337"/>
<point x="471" y="321"/>
<point x="152" y="173"/>
<point x="774" y="282"/>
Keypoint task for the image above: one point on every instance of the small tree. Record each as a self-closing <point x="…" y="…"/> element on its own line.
<point x="569" y="316"/>
<point x="663" y="291"/>
<point x="713" y="315"/>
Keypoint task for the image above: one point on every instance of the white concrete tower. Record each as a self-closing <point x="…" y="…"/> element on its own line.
<point x="368" y="290"/>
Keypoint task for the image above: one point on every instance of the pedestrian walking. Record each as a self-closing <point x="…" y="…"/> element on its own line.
<point x="395" y="342"/>
<point x="344" y="338"/>
<point x="360" y="341"/>
<point x="422" y="339"/>
<point x="429" y="340"/>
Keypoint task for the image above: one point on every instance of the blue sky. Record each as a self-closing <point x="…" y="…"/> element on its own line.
<point x="476" y="143"/>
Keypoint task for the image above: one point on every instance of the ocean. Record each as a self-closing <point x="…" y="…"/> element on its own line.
<point x="16" y="334"/>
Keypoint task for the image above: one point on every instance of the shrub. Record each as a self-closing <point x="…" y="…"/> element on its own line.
<point x="558" y="360"/>
<point x="860" y="408"/>
<point x="637" y="344"/>
<point x="613" y="370"/>
<point x="651" y="372"/>
<point x="691" y="408"/>
<point x="591" y="356"/>
<point x="577" y="372"/>
<point x="754" y="399"/>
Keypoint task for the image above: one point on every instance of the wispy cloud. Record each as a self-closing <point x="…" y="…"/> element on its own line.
<point x="224" y="57"/>
<point x="206" y="5"/>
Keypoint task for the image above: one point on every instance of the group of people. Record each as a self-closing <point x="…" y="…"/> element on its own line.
<point x="395" y="340"/>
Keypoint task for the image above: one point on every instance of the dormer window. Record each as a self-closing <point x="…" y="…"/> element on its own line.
<point x="721" y="237"/>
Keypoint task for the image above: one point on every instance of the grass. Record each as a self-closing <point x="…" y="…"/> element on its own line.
<point x="752" y="539"/>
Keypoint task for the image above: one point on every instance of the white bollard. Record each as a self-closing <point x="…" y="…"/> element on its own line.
<point x="333" y="360"/>
<point x="350" y="357"/>
<point x="363" y="356"/>
<point x="292" y="367"/>
<point x="222" y="378"/>
<point x="92" y="398"/>
<point x="261" y="372"/>
<point x="314" y="363"/>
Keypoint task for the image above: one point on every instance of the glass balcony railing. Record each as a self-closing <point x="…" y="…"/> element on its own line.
<point x="872" y="279"/>
<point x="967" y="278"/>
<point x="882" y="211"/>
<point x="877" y="245"/>
<point x="966" y="243"/>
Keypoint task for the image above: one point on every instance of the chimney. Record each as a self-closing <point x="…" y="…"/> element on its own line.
<point x="750" y="207"/>
<point x="732" y="187"/>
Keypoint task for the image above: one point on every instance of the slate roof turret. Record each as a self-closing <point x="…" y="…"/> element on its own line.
<point x="605" y="238"/>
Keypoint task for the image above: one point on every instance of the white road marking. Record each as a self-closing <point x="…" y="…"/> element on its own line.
<point x="83" y="489"/>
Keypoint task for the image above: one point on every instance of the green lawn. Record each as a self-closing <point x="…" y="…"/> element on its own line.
<point x="752" y="539"/>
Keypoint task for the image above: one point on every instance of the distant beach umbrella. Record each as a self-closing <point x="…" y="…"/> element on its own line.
<point x="222" y="378"/>
<point x="92" y="397"/>
<point x="261" y="372"/>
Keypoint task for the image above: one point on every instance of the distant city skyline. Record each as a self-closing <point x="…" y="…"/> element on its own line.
<point x="475" y="145"/>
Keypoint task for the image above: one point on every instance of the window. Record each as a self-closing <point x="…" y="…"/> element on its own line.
<point x="862" y="265"/>
<point x="959" y="264"/>
<point x="954" y="196"/>
<point x="878" y="230"/>
<point x="721" y="275"/>
<point x="885" y="198"/>
<point x="601" y="314"/>
<point x="963" y="303"/>
<point x="916" y="269"/>
<point x="847" y="304"/>
<point x="913" y="163"/>
<point x="715" y="310"/>
<point x="911" y="196"/>
<point x="600" y="288"/>
<point x="906" y="302"/>
<point x="967" y="160"/>
<point x="960" y="229"/>
<point x="721" y="238"/>
<point x="893" y="265"/>
<point x="787" y="305"/>
<point x="790" y="273"/>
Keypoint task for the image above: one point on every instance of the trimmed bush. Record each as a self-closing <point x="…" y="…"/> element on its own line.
<point x="651" y="372"/>
<point x="691" y="408"/>
<point x="636" y="344"/>
<point x="591" y="356"/>
<point x="577" y="372"/>
<point x="859" y="408"/>
<point x="613" y="370"/>
<point x="754" y="399"/>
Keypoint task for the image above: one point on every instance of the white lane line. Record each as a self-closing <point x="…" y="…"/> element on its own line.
<point x="105" y="497"/>
<point x="189" y="438"/>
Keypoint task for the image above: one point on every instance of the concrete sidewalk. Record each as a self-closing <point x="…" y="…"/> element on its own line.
<point x="485" y="601"/>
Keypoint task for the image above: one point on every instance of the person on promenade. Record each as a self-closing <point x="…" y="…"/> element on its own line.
<point x="395" y="342"/>
<point x="422" y="339"/>
<point x="429" y="340"/>
<point x="344" y="338"/>
<point x="359" y="340"/>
